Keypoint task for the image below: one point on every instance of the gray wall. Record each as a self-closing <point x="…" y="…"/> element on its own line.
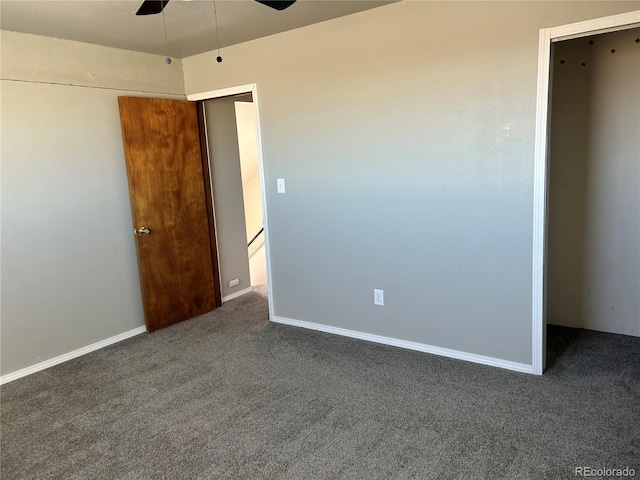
<point x="400" y="173"/>
<point x="226" y="180"/>
<point x="69" y="272"/>
<point x="594" y="189"/>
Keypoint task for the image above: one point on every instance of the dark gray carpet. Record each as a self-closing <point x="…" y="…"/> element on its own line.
<point x="229" y="395"/>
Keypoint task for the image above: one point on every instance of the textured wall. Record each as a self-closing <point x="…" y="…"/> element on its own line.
<point x="45" y="59"/>
<point x="69" y="270"/>
<point x="389" y="128"/>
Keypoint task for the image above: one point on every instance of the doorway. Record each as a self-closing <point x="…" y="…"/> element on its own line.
<point x="546" y="65"/>
<point x="238" y="190"/>
<point x="251" y="191"/>
<point x="593" y="210"/>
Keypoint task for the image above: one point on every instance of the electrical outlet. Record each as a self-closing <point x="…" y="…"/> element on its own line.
<point x="378" y="297"/>
<point x="233" y="283"/>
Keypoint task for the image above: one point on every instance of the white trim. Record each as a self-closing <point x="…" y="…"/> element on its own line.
<point x="598" y="32"/>
<point x="9" y="377"/>
<point x="539" y="200"/>
<point x="622" y="21"/>
<point x="540" y="163"/>
<point x="420" y="347"/>
<point x="251" y="88"/>
<point x="236" y="295"/>
<point x="265" y="212"/>
<point x="224" y="92"/>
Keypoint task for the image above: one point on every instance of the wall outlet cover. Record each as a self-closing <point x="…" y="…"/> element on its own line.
<point x="233" y="283"/>
<point x="378" y="297"/>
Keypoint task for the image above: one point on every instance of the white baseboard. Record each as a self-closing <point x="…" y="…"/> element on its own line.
<point x="420" y="347"/>
<point x="9" y="377"/>
<point x="236" y="295"/>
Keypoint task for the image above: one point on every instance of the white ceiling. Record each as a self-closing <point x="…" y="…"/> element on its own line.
<point x="190" y="24"/>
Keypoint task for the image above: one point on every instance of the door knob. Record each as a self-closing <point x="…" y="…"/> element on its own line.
<point x="142" y="231"/>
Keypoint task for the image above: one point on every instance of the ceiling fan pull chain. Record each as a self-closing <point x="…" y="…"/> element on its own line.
<point x="215" y="14"/>
<point x="166" y="41"/>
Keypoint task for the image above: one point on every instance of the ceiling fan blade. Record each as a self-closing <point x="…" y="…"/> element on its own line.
<point x="277" y="4"/>
<point x="151" y="7"/>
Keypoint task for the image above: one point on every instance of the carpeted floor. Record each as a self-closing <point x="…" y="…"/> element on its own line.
<point x="231" y="396"/>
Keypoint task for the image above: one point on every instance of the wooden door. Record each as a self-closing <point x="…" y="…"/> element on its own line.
<point x="170" y="195"/>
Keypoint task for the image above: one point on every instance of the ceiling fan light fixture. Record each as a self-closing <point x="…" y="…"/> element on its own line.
<point x="277" y="4"/>
<point x="152" y="7"/>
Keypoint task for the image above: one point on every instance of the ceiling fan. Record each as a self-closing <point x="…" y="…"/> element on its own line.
<point x="151" y="7"/>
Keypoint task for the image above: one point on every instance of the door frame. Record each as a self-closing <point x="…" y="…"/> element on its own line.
<point x="548" y="36"/>
<point x="251" y="88"/>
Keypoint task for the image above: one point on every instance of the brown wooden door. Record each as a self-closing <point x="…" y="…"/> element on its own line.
<point x="170" y="195"/>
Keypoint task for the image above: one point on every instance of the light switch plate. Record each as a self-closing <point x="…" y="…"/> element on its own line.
<point x="281" y="188"/>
